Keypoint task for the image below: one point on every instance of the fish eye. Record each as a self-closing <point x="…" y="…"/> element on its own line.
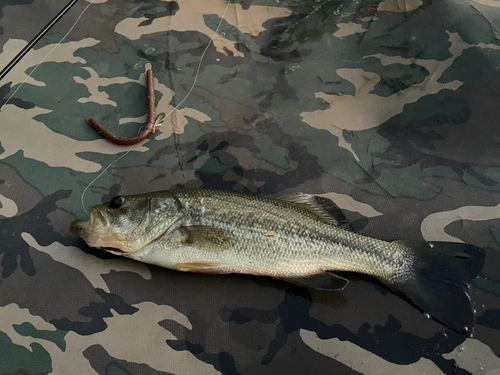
<point x="116" y="202"/>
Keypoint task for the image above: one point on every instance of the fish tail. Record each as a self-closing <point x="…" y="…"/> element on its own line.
<point x="437" y="280"/>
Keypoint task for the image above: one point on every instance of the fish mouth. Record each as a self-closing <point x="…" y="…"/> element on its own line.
<point x="81" y="228"/>
<point x="84" y="230"/>
<point x="88" y="229"/>
<point x="113" y="250"/>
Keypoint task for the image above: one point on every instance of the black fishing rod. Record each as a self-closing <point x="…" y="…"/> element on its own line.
<point x="33" y="41"/>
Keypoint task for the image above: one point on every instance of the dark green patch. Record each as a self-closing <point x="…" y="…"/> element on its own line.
<point x="28" y="329"/>
<point x="115" y="369"/>
<point x="495" y="234"/>
<point x="489" y="285"/>
<point x="446" y="104"/>
<point x="213" y="165"/>
<point x="18" y="359"/>
<point x="474" y="67"/>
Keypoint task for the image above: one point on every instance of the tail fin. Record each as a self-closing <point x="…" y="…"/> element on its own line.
<point x="441" y="271"/>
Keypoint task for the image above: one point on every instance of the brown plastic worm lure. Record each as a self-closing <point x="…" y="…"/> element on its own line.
<point x="143" y="134"/>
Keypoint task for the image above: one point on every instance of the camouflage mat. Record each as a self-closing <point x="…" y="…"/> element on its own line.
<point x="389" y="108"/>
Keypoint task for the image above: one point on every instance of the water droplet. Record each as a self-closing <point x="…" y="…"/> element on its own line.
<point x="337" y="11"/>
<point x="461" y="349"/>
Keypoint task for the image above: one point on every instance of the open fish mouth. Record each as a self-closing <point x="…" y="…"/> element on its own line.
<point x="81" y="228"/>
<point x="89" y="230"/>
<point x="85" y="229"/>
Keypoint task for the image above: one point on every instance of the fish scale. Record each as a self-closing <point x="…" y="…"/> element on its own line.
<point x="306" y="254"/>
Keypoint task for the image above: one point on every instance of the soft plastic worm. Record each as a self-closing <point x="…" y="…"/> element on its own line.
<point x="143" y="134"/>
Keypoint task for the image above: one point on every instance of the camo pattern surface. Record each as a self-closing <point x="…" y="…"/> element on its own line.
<point x="389" y="108"/>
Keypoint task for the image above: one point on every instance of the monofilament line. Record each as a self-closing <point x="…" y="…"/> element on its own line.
<point x="100" y="174"/>
<point x="201" y="59"/>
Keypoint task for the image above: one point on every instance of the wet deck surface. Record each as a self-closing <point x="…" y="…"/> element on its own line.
<point x="392" y="113"/>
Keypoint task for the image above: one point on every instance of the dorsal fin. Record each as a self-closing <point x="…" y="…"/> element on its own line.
<point x="322" y="207"/>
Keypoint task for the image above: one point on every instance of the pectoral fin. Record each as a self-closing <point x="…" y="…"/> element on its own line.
<point x="205" y="237"/>
<point x="320" y="281"/>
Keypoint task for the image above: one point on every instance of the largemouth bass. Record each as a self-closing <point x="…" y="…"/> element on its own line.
<point x="290" y="237"/>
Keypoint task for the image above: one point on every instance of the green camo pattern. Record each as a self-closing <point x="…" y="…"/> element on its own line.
<point x="389" y="108"/>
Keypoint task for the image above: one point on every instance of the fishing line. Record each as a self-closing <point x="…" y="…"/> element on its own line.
<point x="201" y="59"/>
<point x="52" y="50"/>
<point x="100" y="174"/>
<point x="169" y="113"/>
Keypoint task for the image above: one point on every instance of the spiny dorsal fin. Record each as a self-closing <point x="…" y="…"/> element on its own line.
<point x="322" y="207"/>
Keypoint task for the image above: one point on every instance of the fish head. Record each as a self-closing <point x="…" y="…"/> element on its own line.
<point x="126" y="224"/>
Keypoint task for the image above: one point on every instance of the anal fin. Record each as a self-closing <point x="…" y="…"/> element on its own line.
<point x="201" y="267"/>
<point x="320" y="281"/>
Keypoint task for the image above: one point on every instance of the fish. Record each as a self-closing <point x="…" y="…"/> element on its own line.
<point x="299" y="238"/>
